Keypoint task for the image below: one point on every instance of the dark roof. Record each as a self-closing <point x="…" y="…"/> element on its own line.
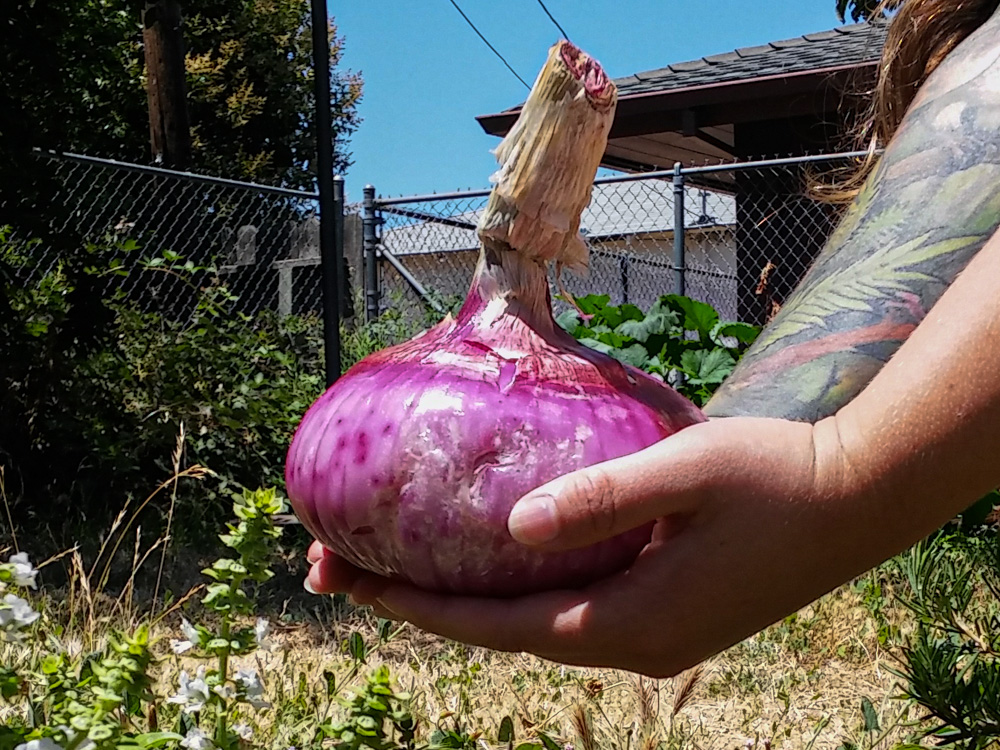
<point x="844" y="46"/>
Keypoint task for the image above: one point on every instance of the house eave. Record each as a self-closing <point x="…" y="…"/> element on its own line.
<point x="725" y="103"/>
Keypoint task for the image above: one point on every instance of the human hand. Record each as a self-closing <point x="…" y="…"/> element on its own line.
<point x="746" y="510"/>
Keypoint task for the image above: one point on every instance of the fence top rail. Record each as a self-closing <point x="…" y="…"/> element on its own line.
<point x="186" y="176"/>
<point x="428" y="197"/>
<point x="663" y="174"/>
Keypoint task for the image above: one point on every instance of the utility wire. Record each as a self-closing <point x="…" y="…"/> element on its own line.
<point x="487" y="42"/>
<point x="553" y="19"/>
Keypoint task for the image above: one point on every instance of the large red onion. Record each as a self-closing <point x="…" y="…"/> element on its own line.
<point x="409" y="465"/>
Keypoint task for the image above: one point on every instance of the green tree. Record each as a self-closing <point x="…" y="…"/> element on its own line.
<point x="862" y="10"/>
<point x="250" y="90"/>
<point x="67" y="83"/>
<point x="73" y="79"/>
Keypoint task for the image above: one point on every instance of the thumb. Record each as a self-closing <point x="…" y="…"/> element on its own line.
<point x="607" y="499"/>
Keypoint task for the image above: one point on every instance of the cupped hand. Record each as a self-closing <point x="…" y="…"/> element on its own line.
<point x="745" y="510"/>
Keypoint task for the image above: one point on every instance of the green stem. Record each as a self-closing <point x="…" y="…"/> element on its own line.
<point x="225" y="632"/>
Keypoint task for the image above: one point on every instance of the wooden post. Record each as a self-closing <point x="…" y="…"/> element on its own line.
<point x="163" y="39"/>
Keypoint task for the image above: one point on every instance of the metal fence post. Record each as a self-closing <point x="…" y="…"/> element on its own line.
<point x="338" y="243"/>
<point x="679" y="227"/>
<point x="369" y="222"/>
<point x="624" y="271"/>
<point x="331" y="229"/>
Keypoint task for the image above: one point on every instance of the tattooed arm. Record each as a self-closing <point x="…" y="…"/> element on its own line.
<point x="926" y="210"/>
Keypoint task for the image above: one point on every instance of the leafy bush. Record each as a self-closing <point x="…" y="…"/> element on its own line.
<point x="951" y="662"/>
<point x="679" y="340"/>
<point x="80" y="423"/>
<point x="63" y="690"/>
<point x="84" y="418"/>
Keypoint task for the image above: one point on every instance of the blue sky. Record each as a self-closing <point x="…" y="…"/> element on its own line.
<point x="427" y="75"/>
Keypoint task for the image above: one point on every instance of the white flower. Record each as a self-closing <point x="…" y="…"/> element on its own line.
<point x="193" y="694"/>
<point x="224" y="691"/>
<point x="197" y="740"/>
<point x="15" y="613"/>
<point x="244" y="731"/>
<point x="192" y="640"/>
<point x="252" y="689"/>
<point x="190" y="631"/>
<point x="261" y="631"/>
<point x="45" y="743"/>
<point x="24" y="571"/>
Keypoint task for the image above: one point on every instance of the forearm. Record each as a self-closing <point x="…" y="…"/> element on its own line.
<point x="922" y="441"/>
<point x="923" y="214"/>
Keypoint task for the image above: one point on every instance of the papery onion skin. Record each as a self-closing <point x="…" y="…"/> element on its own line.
<point x="410" y="464"/>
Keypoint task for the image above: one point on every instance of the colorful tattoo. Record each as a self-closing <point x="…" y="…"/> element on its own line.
<point x="925" y="211"/>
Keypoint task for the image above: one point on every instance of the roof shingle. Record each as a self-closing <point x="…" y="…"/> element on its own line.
<point x="847" y="45"/>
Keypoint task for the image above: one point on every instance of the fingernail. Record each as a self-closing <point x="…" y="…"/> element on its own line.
<point x="533" y="520"/>
<point x="307" y="585"/>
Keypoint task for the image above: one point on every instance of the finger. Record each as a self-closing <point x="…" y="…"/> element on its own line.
<point x="332" y="575"/>
<point x="607" y="499"/>
<point x="315" y="552"/>
<point x="549" y="623"/>
<point x="383" y="613"/>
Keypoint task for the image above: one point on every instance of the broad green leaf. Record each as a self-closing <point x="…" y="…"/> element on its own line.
<point x="698" y="316"/>
<point x="871" y="717"/>
<point x="659" y="321"/>
<point x="707" y="366"/>
<point x="357" y="647"/>
<point x="635" y="355"/>
<point x="10" y="682"/>
<point x="598" y="346"/>
<point x="615" y="316"/>
<point x="506" y="733"/>
<point x="569" y="320"/>
<point x="630" y="312"/>
<point x="603" y="333"/>
<point x="593" y="304"/>
<point x="744" y="333"/>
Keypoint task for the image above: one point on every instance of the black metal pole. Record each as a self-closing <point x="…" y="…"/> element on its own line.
<point x="330" y="264"/>
<point x="369" y="219"/>
<point x="678" y="230"/>
<point x="343" y="273"/>
<point x="623" y="270"/>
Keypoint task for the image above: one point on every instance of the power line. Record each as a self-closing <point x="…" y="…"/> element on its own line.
<point x="487" y="42"/>
<point x="553" y="19"/>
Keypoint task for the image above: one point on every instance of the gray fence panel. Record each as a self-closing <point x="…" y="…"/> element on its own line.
<point x="751" y="230"/>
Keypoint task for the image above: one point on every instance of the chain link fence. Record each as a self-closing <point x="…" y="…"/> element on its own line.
<point x="261" y="242"/>
<point x="738" y="236"/>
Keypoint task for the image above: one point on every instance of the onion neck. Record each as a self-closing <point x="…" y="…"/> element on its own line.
<point x="509" y="285"/>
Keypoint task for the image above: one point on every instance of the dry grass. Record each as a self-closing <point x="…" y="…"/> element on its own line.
<point x="798" y="684"/>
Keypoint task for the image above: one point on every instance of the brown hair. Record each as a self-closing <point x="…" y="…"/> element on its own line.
<point x="921" y="35"/>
